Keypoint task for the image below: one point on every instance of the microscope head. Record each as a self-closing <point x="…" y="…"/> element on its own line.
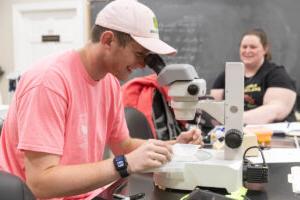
<point x="185" y="89"/>
<point x="176" y="72"/>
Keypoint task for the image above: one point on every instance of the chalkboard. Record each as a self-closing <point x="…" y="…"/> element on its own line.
<point x="206" y="33"/>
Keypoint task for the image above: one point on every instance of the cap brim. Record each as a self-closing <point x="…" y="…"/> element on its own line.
<point x="155" y="45"/>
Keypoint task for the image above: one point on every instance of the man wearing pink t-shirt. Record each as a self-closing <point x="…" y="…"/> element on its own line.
<point x="68" y="106"/>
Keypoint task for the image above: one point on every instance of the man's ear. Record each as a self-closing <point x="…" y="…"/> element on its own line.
<point x="106" y="38"/>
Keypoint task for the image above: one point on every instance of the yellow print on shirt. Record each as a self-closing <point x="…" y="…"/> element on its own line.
<point x="252" y="88"/>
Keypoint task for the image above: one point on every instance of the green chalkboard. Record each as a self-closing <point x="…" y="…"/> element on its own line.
<point x="207" y="32"/>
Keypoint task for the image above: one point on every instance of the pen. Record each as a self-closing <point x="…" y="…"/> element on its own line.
<point x="120" y="196"/>
<point x="131" y="197"/>
<point x="137" y="196"/>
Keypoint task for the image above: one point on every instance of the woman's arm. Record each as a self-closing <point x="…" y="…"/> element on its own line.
<point x="277" y="104"/>
<point x="217" y="94"/>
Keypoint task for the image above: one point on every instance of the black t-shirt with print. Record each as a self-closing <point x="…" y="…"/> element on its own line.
<point x="269" y="75"/>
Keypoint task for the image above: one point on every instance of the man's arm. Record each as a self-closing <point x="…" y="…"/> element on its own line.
<point x="192" y="136"/>
<point x="153" y="152"/>
<point x="47" y="178"/>
<point x="126" y="146"/>
<point x="277" y="104"/>
<point x="147" y="155"/>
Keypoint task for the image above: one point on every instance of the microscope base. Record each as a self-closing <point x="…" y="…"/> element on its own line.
<point x="214" y="172"/>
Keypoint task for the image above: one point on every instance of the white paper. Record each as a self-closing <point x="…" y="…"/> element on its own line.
<point x="294" y="178"/>
<point x="278" y="155"/>
<point x="290" y="128"/>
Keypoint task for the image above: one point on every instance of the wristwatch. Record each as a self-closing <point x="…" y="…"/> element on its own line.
<point x="121" y="164"/>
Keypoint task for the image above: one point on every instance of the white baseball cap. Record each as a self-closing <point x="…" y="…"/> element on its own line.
<point x="137" y="20"/>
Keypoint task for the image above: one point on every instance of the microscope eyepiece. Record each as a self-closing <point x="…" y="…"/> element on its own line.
<point x="155" y="62"/>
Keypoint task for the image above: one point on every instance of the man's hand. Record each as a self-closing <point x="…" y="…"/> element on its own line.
<point x="190" y="137"/>
<point x="151" y="154"/>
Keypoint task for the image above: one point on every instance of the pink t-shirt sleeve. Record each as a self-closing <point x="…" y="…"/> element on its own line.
<point x="41" y="119"/>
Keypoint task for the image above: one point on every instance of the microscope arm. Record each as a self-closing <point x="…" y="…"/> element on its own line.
<point x="185" y="90"/>
<point x="214" y="108"/>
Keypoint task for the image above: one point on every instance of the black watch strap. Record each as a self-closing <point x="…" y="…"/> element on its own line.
<point x="121" y="164"/>
<point x="123" y="173"/>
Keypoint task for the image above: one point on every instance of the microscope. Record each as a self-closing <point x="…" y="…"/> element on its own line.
<point x="222" y="168"/>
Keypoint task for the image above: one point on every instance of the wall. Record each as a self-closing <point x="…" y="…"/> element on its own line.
<point x="6" y="45"/>
<point x="6" y="41"/>
<point x="210" y="30"/>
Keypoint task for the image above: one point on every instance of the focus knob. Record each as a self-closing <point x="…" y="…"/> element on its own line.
<point x="193" y="89"/>
<point x="233" y="138"/>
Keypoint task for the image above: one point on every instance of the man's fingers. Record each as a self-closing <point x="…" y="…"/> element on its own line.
<point x="195" y="136"/>
<point x="161" y="144"/>
<point x="159" y="157"/>
<point x="155" y="163"/>
<point x="164" y="150"/>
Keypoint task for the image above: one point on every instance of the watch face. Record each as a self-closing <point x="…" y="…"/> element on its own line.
<point x="120" y="162"/>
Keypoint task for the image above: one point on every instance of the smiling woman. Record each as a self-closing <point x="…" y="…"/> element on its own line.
<point x="269" y="94"/>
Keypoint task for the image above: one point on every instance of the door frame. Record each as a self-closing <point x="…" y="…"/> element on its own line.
<point x="19" y="8"/>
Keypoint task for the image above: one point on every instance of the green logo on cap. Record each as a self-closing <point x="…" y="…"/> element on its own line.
<point x="155" y="23"/>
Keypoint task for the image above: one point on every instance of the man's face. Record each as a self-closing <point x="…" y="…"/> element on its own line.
<point x="125" y="59"/>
